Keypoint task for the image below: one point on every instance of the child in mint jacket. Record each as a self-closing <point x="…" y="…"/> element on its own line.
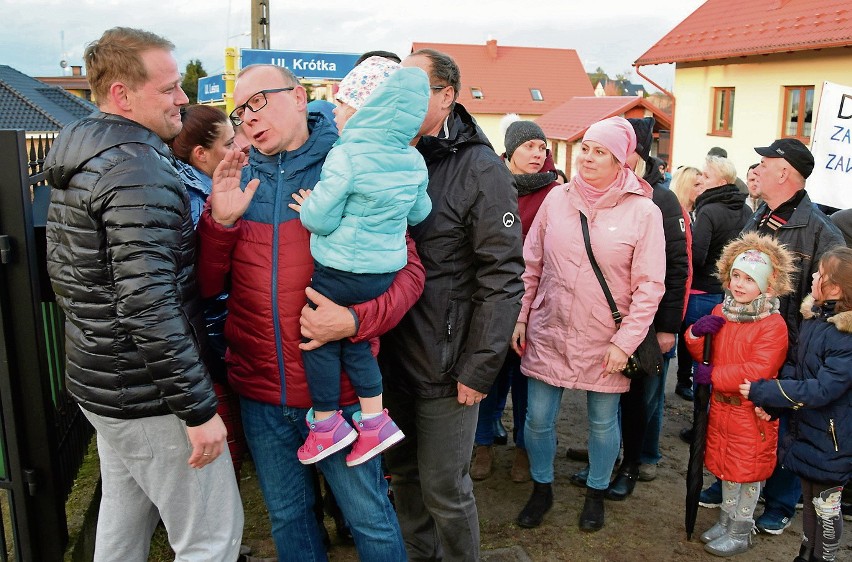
<point x="372" y="187"/>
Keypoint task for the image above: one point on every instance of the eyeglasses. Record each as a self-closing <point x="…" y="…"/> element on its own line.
<point x="436" y="88"/>
<point x="255" y="103"/>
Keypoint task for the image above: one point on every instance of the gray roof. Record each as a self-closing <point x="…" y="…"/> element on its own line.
<point x="31" y="105"/>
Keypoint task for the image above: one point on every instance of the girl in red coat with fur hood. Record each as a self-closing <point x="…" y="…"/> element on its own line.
<point x="749" y="342"/>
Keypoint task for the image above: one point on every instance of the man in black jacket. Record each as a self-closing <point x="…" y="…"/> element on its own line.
<point x="788" y="215"/>
<point x="442" y="358"/>
<point x="121" y="255"/>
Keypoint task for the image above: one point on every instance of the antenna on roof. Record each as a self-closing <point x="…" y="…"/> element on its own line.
<point x="63" y="63"/>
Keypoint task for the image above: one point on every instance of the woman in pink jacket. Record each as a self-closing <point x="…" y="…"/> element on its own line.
<point x="565" y="332"/>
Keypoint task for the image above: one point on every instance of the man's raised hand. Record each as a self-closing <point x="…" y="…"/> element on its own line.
<point x="227" y="201"/>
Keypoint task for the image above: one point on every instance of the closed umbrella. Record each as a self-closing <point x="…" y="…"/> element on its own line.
<point x="695" y="470"/>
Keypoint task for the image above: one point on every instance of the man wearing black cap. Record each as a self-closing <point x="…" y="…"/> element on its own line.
<point x="788" y="215"/>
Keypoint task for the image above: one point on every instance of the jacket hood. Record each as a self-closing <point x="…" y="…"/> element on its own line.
<point x="652" y="171"/>
<point x="393" y="113"/>
<point x="462" y="131"/>
<point x="728" y="195"/>
<point x="322" y="135"/>
<point x="783" y="268"/>
<point x="841" y="320"/>
<point x="82" y="140"/>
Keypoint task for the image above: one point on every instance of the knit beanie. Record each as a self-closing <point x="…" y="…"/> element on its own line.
<point x="756" y="265"/>
<point x="644" y="129"/>
<point x="362" y="80"/>
<point x="616" y="134"/>
<point x="520" y="132"/>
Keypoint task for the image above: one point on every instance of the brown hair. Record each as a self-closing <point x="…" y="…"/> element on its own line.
<point x="115" y="57"/>
<point x="201" y="127"/>
<point x="836" y="263"/>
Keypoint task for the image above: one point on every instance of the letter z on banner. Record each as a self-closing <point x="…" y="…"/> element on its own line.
<point x="831" y="181"/>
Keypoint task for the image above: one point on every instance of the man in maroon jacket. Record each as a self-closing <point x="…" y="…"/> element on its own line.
<point x="249" y="233"/>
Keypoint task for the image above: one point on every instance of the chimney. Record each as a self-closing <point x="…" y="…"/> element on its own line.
<point x="491" y="48"/>
<point x="76" y="70"/>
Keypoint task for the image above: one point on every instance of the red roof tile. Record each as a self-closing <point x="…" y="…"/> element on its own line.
<point x="733" y="28"/>
<point x="570" y="120"/>
<point x="505" y="76"/>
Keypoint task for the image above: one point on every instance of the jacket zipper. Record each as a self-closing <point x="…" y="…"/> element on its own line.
<point x="833" y="434"/>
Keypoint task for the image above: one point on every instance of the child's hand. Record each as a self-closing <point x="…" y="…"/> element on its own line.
<point x="705" y="325"/>
<point x="702" y="374"/>
<point x="300" y="198"/>
<point x="745" y="388"/>
<point x="762" y="414"/>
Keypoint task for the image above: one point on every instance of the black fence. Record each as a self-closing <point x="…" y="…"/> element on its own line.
<point x="44" y="436"/>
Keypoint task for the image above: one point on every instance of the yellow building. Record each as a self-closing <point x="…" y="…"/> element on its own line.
<point x="749" y="73"/>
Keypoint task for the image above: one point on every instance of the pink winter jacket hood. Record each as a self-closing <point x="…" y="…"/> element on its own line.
<point x="569" y="323"/>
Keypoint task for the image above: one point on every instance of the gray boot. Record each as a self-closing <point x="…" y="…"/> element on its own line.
<point x="717" y="530"/>
<point x="735" y="541"/>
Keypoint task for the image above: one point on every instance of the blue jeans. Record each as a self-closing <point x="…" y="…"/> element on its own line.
<point x="274" y="434"/>
<point x="324" y="364"/>
<point x="696" y="307"/>
<point x="655" y="405"/>
<point x="491" y="407"/>
<point x="540" y="432"/>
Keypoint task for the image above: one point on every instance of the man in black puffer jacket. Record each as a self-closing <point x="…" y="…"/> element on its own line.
<point x="121" y="259"/>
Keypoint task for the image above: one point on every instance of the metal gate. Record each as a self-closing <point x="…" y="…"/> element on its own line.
<point x="43" y="435"/>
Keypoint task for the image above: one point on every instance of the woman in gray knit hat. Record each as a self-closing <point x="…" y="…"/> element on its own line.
<point x="534" y="173"/>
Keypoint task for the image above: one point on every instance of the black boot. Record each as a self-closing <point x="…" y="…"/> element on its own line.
<point x="579" y="478"/>
<point x="592" y="517"/>
<point x="539" y="503"/>
<point x="806" y="553"/>
<point x="624" y="483"/>
<point x="577" y="454"/>
<point x="500" y="435"/>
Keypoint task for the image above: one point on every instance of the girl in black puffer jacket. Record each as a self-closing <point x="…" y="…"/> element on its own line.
<point x="819" y="390"/>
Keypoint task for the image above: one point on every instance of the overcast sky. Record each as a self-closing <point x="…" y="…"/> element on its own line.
<point x="37" y="34"/>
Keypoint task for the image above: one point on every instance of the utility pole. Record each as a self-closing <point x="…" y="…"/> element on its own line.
<point x="260" y="24"/>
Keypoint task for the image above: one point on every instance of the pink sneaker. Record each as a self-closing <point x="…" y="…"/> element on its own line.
<point x="325" y="438"/>
<point x="375" y="435"/>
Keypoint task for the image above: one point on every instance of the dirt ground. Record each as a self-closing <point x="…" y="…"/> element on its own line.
<point x="647" y="526"/>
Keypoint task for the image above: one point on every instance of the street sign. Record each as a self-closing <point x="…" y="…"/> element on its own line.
<point x="211" y="88"/>
<point x="304" y="64"/>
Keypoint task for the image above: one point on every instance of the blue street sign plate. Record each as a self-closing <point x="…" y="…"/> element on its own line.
<point x="211" y="88"/>
<point x="304" y="64"/>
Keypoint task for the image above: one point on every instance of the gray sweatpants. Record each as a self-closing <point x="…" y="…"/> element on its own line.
<point x="146" y="477"/>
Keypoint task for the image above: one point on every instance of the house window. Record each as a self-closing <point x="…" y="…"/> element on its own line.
<point x="536" y="94"/>
<point x="798" y="112"/>
<point x="476" y="93"/>
<point x="723" y="111"/>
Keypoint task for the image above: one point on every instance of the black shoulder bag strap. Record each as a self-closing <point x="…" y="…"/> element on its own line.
<point x="616" y="315"/>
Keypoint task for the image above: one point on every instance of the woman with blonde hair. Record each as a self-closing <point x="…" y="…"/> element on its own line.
<point x="720" y="214"/>
<point x="685" y="184"/>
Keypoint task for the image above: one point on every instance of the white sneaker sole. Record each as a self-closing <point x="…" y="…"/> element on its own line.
<point x="383" y="446"/>
<point x="342" y="444"/>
